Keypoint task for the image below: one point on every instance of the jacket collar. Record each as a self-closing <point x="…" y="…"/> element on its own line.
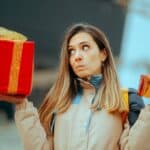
<point x="93" y="81"/>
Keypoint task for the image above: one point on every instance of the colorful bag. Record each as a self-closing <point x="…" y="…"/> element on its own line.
<point x="134" y="102"/>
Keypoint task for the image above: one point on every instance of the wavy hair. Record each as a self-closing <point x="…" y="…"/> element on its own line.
<point x="63" y="90"/>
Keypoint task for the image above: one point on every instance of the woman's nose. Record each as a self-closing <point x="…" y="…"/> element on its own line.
<point x="78" y="55"/>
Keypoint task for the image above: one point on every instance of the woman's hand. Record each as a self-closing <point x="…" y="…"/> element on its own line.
<point x="12" y="99"/>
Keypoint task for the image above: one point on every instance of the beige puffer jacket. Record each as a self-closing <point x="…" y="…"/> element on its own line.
<point x="79" y="129"/>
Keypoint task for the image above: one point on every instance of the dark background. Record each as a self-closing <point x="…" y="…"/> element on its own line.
<point x="46" y="21"/>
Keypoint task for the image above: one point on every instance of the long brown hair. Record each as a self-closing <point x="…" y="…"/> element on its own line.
<point x="60" y="95"/>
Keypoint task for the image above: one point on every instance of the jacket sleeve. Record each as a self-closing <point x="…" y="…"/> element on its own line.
<point x="137" y="137"/>
<point x="30" y="128"/>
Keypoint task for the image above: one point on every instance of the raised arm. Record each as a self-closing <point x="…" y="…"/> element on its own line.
<point x="137" y="137"/>
<point x="28" y="123"/>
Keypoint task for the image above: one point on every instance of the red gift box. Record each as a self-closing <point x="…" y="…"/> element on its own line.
<point x="16" y="67"/>
<point x="144" y="86"/>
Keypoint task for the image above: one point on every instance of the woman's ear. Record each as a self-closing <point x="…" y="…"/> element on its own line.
<point x="103" y="55"/>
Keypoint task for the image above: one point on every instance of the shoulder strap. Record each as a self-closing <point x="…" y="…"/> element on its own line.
<point x="134" y="102"/>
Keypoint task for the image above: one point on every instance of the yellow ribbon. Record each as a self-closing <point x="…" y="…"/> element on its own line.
<point x="15" y="67"/>
<point x="125" y="97"/>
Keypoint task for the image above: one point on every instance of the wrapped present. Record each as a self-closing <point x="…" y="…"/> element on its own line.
<point x="16" y="67"/>
<point x="144" y="86"/>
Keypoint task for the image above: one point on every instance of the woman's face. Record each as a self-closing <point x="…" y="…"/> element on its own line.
<point x="85" y="56"/>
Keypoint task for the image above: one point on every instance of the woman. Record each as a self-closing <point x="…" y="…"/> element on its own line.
<point x="84" y="108"/>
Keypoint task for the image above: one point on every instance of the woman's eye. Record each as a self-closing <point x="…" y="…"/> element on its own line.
<point x="85" y="47"/>
<point x="71" y="51"/>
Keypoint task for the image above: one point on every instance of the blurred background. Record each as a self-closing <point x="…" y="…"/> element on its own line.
<point x="125" y="22"/>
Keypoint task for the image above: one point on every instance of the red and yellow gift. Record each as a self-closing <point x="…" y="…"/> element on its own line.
<point x="16" y="66"/>
<point x="144" y="86"/>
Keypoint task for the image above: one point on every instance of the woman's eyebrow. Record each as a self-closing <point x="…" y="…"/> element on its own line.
<point x="80" y="43"/>
<point x="83" y="42"/>
<point x="70" y="46"/>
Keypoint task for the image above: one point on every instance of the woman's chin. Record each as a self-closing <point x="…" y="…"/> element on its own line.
<point x="83" y="75"/>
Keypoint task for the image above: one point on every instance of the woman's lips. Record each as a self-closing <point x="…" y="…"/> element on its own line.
<point x="80" y="67"/>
